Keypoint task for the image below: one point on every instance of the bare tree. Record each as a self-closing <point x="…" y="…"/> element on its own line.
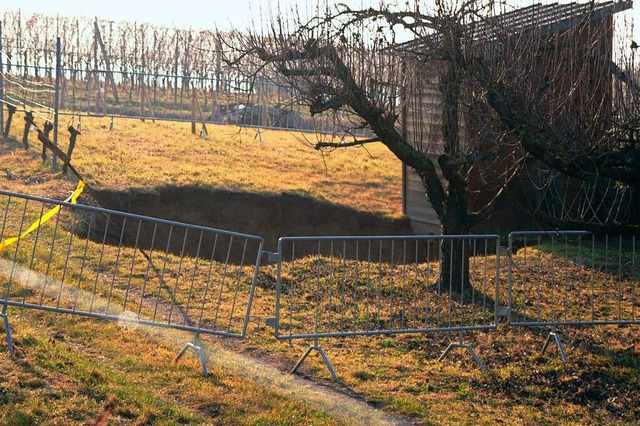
<point x="470" y="103"/>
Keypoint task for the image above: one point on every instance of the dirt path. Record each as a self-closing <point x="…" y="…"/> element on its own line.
<point x="341" y="407"/>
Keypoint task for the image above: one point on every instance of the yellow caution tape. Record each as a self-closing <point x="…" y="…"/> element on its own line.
<point x="73" y="198"/>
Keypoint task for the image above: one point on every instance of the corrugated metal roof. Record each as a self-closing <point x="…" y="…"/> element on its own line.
<point x="554" y="17"/>
<point x="544" y="18"/>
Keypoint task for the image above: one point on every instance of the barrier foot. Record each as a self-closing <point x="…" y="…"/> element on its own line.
<point x="324" y="359"/>
<point x="461" y="344"/>
<point x="7" y="329"/>
<point x="553" y="334"/>
<point x="199" y="351"/>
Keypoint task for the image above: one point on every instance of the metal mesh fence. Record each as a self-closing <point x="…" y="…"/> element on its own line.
<point x="573" y="278"/>
<point x="89" y="261"/>
<point x="340" y="286"/>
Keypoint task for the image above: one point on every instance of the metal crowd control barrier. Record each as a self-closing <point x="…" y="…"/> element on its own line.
<point x="572" y="278"/>
<point x="125" y="267"/>
<point x="348" y="286"/>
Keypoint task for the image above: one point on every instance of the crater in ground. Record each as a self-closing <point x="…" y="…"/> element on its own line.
<point x="270" y="216"/>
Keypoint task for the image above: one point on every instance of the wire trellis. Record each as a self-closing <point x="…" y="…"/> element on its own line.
<point x="141" y="71"/>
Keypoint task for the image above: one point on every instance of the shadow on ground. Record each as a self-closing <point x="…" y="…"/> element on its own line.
<point x="270" y="216"/>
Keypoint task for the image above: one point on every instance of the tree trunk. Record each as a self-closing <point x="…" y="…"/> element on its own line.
<point x="454" y="263"/>
<point x="455" y="217"/>
<point x="455" y="253"/>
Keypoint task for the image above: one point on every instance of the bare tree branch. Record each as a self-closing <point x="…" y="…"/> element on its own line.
<point x="473" y="98"/>
<point x="321" y="145"/>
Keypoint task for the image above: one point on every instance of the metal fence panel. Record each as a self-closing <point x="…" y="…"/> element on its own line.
<point x="573" y="278"/>
<point x="112" y="265"/>
<point x="341" y="286"/>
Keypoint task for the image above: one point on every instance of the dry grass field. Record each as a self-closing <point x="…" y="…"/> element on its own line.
<point x="71" y="370"/>
<point x="148" y="155"/>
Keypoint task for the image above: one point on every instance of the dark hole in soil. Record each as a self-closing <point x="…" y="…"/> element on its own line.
<point x="269" y="216"/>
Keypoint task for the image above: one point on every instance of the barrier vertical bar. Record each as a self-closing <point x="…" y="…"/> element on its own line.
<point x="56" y="107"/>
<point x="7" y="328"/>
<point x="1" y="82"/>
<point x="175" y="70"/>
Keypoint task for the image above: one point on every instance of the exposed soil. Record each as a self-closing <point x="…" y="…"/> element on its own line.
<point x="270" y="216"/>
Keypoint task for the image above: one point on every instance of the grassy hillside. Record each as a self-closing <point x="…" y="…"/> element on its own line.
<point x="145" y="155"/>
<point x="71" y="369"/>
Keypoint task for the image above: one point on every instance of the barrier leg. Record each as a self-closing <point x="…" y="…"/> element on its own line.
<point x="199" y="351"/>
<point x="315" y="347"/>
<point x="7" y="329"/>
<point x="460" y="344"/>
<point x="553" y="334"/>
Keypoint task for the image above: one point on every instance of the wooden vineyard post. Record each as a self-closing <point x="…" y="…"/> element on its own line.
<point x="193" y="112"/>
<point x="175" y="71"/>
<point x="12" y="110"/>
<point x="215" y="108"/>
<point x="203" y="131"/>
<point x="56" y="109"/>
<point x="28" y="119"/>
<point x="72" y="144"/>
<point x="98" y="92"/>
<point x="262" y="99"/>
<point x="64" y="91"/>
<point x="48" y="127"/>
<point x="145" y="103"/>
<point x="96" y="78"/>
<point x="143" y="97"/>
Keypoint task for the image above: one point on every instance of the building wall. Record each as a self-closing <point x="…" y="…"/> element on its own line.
<point x="421" y="215"/>
<point x="422" y="117"/>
